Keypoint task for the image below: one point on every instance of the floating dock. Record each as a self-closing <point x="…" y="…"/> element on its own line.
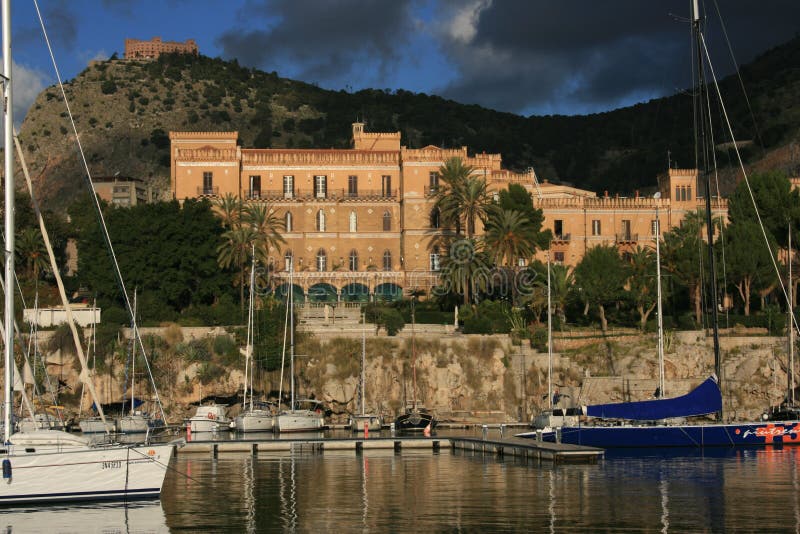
<point x="519" y="447"/>
<point x="529" y="449"/>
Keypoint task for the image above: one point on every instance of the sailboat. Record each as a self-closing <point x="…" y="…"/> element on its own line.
<point x="303" y="415"/>
<point x="553" y="416"/>
<point x="135" y="422"/>
<point x="662" y="422"/>
<point x="364" y="421"/>
<point x="93" y="424"/>
<point x="415" y="418"/>
<point x="251" y="419"/>
<point x="52" y="465"/>
<point x="788" y="409"/>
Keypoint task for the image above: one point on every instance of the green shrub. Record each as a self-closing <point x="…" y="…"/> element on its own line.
<point x="108" y="87"/>
<point x="391" y="319"/>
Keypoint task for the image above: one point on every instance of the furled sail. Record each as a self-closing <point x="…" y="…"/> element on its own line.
<point x="704" y="399"/>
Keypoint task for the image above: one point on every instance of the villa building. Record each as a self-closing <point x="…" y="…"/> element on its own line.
<point x="362" y="222"/>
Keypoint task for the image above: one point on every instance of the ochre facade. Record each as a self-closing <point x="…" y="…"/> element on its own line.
<point x="136" y="49"/>
<point x="362" y="218"/>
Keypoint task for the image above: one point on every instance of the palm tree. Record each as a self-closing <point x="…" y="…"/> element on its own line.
<point x="229" y="208"/>
<point x="562" y="281"/>
<point x="234" y="251"/>
<point x="509" y="236"/>
<point x="462" y="197"/>
<point x="466" y="269"/>
<point x="30" y="251"/>
<point x="266" y="224"/>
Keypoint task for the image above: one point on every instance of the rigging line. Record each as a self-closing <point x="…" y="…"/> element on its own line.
<point x="283" y="351"/>
<point x="719" y="196"/>
<point x="747" y="182"/>
<point x="739" y="76"/>
<point x="96" y="203"/>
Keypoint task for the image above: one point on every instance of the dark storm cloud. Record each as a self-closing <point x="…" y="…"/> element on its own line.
<point x="61" y="23"/>
<point x="322" y="39"/>
<point x="582" y="55"/>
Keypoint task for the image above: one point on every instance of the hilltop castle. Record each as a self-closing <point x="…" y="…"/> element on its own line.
<point x="136" y="49"/>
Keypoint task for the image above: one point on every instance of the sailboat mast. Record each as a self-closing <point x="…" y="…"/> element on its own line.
<point x="248" y="368"/>
<point x="413" y="359"/>
<point x="790" y="324"/>
<point x="291" y="330"/>
<point x="700" y="121"/>
<point x="549" y="338"/>
<point x="658" y="310"/>
<point x="133" y="352"/>
<point x="8" y="143"/>
<point x="363" y="358"/>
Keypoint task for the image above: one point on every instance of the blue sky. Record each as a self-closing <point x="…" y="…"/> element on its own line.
<point x="522" y="56"/>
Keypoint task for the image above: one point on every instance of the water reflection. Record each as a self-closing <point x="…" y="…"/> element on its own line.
<point x="139" y="517"/>
<point x="379" y="490"/>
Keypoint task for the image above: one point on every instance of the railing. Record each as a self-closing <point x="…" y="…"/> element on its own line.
<point x="562" y="237"/>
<point x="204" y="191"/>
<point x="254" y="194"/>
<point x="431" y="190"/>
<point x="330" y="194"/>
<point x="627" y="237"/>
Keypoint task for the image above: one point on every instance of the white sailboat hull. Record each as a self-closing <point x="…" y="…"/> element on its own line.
<point x="202" y="424"/>
<point x="95" y="425"/>
<point x="359" y="421"/>
<point x="255" y="421"/>
<point x="58" y="467"/>
<point x="132" y="424"/>
<point x="300" y="421"/>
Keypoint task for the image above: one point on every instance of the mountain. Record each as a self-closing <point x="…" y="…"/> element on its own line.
<point x="125" y="109"/>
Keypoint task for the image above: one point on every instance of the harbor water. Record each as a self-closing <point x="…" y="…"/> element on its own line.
<point x="719" y="490"/>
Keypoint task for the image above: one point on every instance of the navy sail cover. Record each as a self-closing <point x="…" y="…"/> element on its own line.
<point x="704" y="399"/>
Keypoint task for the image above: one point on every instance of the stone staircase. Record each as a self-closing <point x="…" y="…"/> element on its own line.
<point x="342" y="317"/>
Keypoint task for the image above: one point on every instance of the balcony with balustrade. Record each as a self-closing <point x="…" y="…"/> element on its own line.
<point x="626" y="238"/>
<point x="331" y="195"/>
<point x="208" y="191"/>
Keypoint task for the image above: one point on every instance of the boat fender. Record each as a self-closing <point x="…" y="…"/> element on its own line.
<point x="7" y="469"/>
<point x="212" y="416"/>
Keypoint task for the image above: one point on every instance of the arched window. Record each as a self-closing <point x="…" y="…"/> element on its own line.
<point x="287" y="221"/>
<point x="320" y="221"/>
<point x="353" y="221"/>
<point x="353" y="260"/>
<point x="387" y="221"/>
<point x="287" y="261"/>
<point x="322" y="260"/>
<point x="387" y="260"/>
<point x="436" y="216"/>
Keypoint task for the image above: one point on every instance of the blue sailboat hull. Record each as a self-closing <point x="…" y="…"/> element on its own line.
<point x="752" y="434"/>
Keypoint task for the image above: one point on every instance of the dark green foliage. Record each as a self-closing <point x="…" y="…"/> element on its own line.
<point x="778" y="204"/>
<point x="160" y="139"/>
<point x="219" y="116"/>
<point x="269" y="333"/>
<point x="385" y="316"/>
<point x="108" y="87"/>
<point x="164" y="249"/>
<point x="490" y="317"/>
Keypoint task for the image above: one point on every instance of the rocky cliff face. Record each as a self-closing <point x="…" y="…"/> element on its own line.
<point x="462" y="378"/>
